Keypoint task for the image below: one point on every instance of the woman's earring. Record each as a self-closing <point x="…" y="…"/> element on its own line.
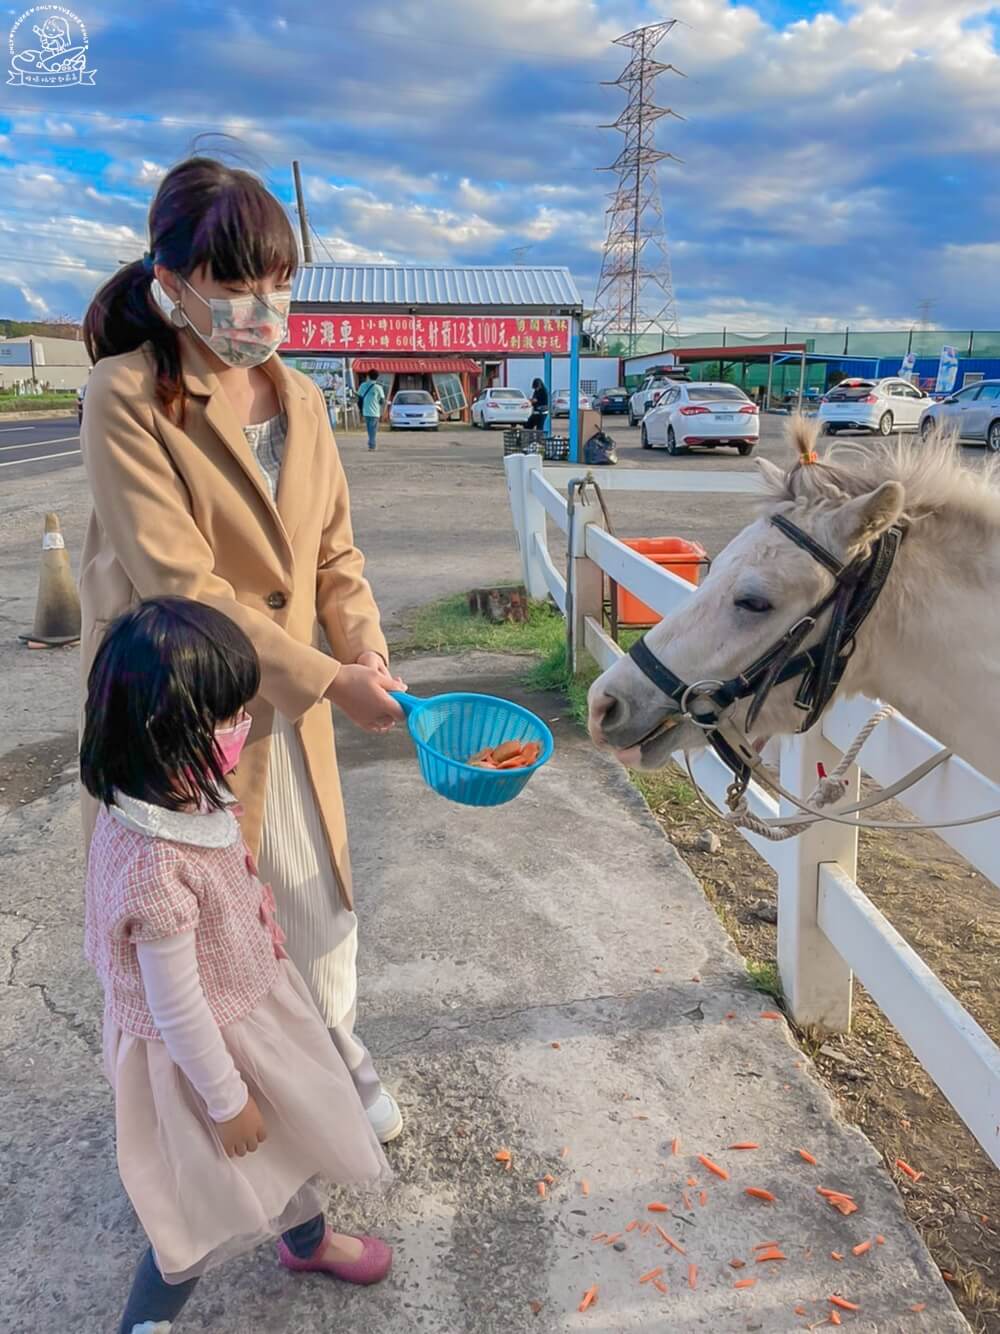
<point x="177" y="317"/>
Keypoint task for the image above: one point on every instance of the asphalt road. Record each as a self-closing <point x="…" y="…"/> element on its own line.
<point x="28" y="449"/>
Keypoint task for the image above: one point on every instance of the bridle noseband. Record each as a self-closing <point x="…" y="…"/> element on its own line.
<point x="819" y="669"/>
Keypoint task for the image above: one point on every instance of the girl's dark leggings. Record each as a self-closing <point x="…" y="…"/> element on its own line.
<point x="153" y="1299"/>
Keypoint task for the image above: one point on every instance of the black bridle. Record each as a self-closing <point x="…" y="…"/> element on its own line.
<point x="820" y="668"/>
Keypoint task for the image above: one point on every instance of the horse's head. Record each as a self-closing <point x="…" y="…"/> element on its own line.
<point x="761" y="585"/>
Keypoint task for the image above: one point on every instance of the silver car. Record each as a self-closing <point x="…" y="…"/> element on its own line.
<point x="972" y="414"/>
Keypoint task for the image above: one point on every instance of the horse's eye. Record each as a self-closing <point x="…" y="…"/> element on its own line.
<point x="758" y="605"/>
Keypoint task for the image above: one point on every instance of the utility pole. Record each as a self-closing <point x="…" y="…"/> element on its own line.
<point x="635" y="292"/>
<point x="307" y="250"/>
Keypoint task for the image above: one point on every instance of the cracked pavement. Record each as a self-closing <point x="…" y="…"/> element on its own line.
<point x="545" y="977"/>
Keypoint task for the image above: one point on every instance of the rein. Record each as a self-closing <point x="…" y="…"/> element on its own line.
<point x="818" y="669"/>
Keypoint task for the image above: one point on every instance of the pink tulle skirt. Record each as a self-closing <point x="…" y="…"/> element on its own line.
<point x="199" y="1207"/>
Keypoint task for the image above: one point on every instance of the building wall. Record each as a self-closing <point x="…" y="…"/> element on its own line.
<point x="63" y="362"/>
<point x="520" y="371"/>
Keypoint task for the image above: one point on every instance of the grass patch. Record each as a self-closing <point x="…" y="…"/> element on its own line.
<point x="36" y="402"/>
<point x="665" y="788"/>
<point x="765" y="979"/>
<point x="448" y="627"/>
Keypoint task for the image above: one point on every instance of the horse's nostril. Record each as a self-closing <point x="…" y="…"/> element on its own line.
<point x="613" y="713"/>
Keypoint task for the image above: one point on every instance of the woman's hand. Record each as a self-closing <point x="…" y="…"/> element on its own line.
<point x="244" y="1132"/>
<point x="361" y="691"/>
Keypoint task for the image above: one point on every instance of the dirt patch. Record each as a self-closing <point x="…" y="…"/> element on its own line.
<point x="30" y="771"/>
<point x="951" y="915"/>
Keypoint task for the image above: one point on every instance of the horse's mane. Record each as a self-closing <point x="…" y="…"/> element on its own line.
<point x="930" y="470"/>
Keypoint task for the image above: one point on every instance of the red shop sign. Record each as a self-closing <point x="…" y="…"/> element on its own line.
<point x="427" y="333"/>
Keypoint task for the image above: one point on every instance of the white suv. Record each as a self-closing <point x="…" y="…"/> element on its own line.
<point x="652" y="387"/>
<point x="882" y="406"/>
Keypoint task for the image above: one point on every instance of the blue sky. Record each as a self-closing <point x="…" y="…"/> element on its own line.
<point x="839" y="158"/>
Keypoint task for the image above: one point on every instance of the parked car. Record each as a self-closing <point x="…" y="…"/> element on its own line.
<point x="971" y="414"/>
<point x="882" y="406"/>
<point x="79" y="403"/>
<point x="703" y="414"/>
<point x="414" y="409"/>
<point x="560" y="403"/>
<point x="613" y="402"/>
<point x="500" y="407"/>
<point x="652" y="387"/>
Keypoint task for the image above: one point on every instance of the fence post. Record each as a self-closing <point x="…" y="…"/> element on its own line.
<point x="585" y="591"/>
<point x="529" y="520"/>
<point x="816" y="981"/>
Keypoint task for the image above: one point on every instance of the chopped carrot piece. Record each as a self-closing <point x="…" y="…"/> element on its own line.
<point x="756" y="1193"/>
<point x="675" y="1147"/>
<point x="507" y="750"/>
<point x="670" y="1242"/>
<point x="808" y="1158"/>
<point x="692" y="1277"/>
<point x="653" y="1273"/>
<point x="765" y="1245"/>
<point x="657" y="1207"/>
<point x="549" y="1179"/>
<point x="645" y="1229"/>
<point x="714" y="1168"/>
<point x="772" y="1254"/>
<point x="862" y="1248"/>
<point x="746" y="1145"/>
<point x="502" y="1156"/>
<point x="660" y="1286"/>
<point x="771" y="1014"/>
<point x="836" y="1255"/>
<point x="948" y="1276"/>
<point x="911" y="1172"/>
<point x="880" y="1240"/>
<point x="556" y="1046"/>
<point x="835" y="1318"/>
<point x="731" y="1014"/>
<point x="843" y="1203"/>
<point x="737" y="1264"/>
<point x="703" y="1198"/>
<point x="917" y="1307"/>
<point x="692" y="1181"/>
<point x="585" y="1187"/>
<point x="565" y="1152"/>
<point x="633" y="1225"/>
<point x="744" y="1283"/>
<point x="844" y="1304"/>
<point x="599" y="1236"/>
<point x="685" y="1199"/>
<point x="800" y="1310"/>
<point x="589" y="1298"/>
<point x="541" y="1188"/>
<point x="610" y="1241"/>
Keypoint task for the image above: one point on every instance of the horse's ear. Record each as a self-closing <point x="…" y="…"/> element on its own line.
<point x="775" y="478"/>
<point x="866" y="517"/>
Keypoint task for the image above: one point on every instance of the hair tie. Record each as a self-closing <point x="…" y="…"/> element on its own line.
<point x="810" y="457"/>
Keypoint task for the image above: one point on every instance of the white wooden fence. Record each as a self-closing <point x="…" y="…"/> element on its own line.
<point x="827" y="928"/>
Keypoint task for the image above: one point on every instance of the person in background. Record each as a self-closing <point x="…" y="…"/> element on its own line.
<point x="215" y="476"/>
<point x="371" y="396"/>
<point x="539" y="405"/>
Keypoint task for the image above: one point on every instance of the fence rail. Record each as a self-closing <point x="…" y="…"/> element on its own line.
<point x="827" y="928"/>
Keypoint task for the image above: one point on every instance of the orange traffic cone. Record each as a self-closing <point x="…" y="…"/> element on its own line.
<point x="57" y="611"/>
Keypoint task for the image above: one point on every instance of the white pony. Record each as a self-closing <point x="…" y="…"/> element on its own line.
<point x="930" y="646"/>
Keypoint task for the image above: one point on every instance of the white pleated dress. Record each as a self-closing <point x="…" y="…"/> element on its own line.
<point x="321" y="933"/>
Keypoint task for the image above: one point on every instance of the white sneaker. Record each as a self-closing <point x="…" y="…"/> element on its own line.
<point x="385" y="1118"/>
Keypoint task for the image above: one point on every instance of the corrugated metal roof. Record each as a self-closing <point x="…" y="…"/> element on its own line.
<point x="520" y="288"/>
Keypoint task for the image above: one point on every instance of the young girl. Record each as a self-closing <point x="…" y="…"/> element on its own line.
<point x="229" y="1096"/>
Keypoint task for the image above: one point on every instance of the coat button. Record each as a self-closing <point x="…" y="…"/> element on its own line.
<point x="276" y="601"/>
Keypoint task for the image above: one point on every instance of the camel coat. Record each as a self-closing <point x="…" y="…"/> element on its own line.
<point x="184" y="509"/>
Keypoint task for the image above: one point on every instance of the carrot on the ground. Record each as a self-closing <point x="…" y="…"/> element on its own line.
<point x="745" y="1145"/>
<point x="653" y="1273"/>
<point x="589" y="1297"/>
<point x="713" y="1167"/>
<point x="599" y="1236"/>
<point x="675" y="1147"/>
<point x="771" y="1014"/>
<point x="645" y="1229"/>
<point x="744" y="1283"/>
<point x="658" y="1207"/>
<point x="565" y="1152"/>
<point x="862" y="1248"/>
<point x="502" y="1156"/>
<point x="807" y="1157"/>
<point x="633" y="1225"/>
<point x="773" y="1254"/>
<point x="836" y="1255"/>
<point x="615" y="1236"/>
<point x="660" y="1286"/>
<point x="835" y="1318"/>
<point x="917" y="1307"/>
<point x="585" y="1187"/>
<point x="670" y="1241"/>
<point x="731" y="1014"/>
<point x="737" y="1264"/>
<point x="540" y="1187"/>
<point x="703" y="1198"/>
<point x="692" y="1181"/>
<point x="549" y="1179"/>
<point x="800" y="1310"/>
<point x="692" y="1276"/>
<point x="685" y="1199"/>
<point x="764" y="1245"/>
<point x="911" y="1172"/>
<point x="880" y="1240"/>
<point x="844" y="1304"/>
<point x="758" y="1194"/>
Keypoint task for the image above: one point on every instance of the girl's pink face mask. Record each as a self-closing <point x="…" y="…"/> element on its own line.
<point x="229" y="742"/>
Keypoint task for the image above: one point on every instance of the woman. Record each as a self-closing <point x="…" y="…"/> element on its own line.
<point x="539" y="404"/>
<point x="215" y="476"/>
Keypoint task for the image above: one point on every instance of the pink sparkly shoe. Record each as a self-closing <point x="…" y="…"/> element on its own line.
<point x="371" y="1266"/>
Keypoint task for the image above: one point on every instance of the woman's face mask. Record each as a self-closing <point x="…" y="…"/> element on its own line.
<point x="245" y="330"/>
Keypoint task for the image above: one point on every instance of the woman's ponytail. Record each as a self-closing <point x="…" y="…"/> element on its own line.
<point x="122" y="317"/>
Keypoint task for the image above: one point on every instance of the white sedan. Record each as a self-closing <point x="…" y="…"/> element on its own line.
<point x="560" y="403"/>
<point x="702" y="415"/>
<point x="500" y="407"/>
<point x="882" y="406"/>
<point x="414" y="409"/>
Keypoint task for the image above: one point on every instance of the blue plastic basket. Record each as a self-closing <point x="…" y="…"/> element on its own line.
<point x="448" y="729"/>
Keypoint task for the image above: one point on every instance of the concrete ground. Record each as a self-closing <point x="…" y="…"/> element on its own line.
<point x="546" y="977"/>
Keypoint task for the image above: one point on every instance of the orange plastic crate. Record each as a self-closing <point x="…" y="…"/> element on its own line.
<point x="676" y="554"/>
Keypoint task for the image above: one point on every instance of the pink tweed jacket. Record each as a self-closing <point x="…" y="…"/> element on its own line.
<point x="142" y="887"/>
